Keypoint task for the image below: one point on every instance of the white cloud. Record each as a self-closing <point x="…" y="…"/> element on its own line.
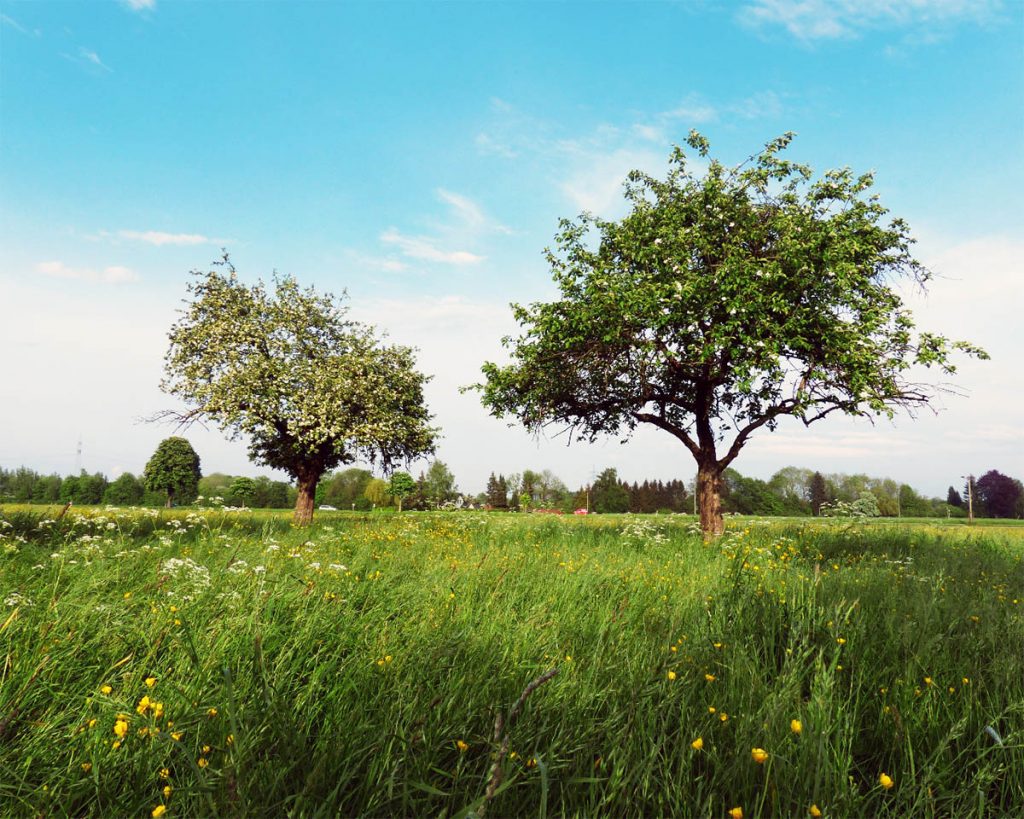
<point x="159" y="238"/>
<point x="595" y="182"/>
<point x="469" y="215"/>
<point x="425" y="248"/>
<point x="114" y="274"/>
<point x="832" y="19"/>
<point x="7" y="20"/>
<point x="139" y="5"/>
<point x="92" y="58"/>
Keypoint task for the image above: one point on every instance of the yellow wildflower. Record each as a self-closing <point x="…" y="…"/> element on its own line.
<point x="121" y="728"/>
<point x="736" y="813"/>
<point x="711" y="709"/>
<point x="105" y="689"/>
<point x="698" y="744"/>
<point x="723" y="716"/>
<point x="671" y="675"/>
<point x="150" y="682"/>
<point x="167" y="791"/>
<point x="143" y="705"/>
<point x="885" y="781"/>
<point x="92" y="723"/>
<point x="165" y="773"/>
<point x="86" y="767"/>
<point x="211" y="712"/>
<point x="927" y="680"/>
<point x="176" y="735"/>
<point x="759" y="755"/>
<point x="462" y="746"/>
<point x="159" y="810"/>
<point x="814" y="811"/>
<point x="796" y="726"/>
<point x="709" y="677"/>
<point x="115" y="744"/>
<point x="841" y="641"/>
<point x="202" y="762"/>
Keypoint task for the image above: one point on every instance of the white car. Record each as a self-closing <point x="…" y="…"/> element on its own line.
<point x="325" y="508"/>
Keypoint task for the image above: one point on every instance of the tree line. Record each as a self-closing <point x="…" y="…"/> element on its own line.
<point x="791" y="491"/>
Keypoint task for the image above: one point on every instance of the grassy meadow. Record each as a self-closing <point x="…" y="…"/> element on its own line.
<point x="206" y="663"/>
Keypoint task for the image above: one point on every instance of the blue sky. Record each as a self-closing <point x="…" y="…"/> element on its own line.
<point x="419" y="155"/>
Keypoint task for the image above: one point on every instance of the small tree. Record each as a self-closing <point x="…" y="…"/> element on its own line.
<point x="719" y="305"/>
<point x="401" y="486"/>
<point x="243" y="489"/>
<point x="376" y="492"/>
<point x="174" y="470"/>
<point x="309" y="388"/>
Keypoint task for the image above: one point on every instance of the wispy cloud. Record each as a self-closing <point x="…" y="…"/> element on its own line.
<point x="18" y="27"/>
<point x="115" y="274"/>
<point x="89" y="58"/>
<point x="160" y="238"/>
<point x="139" y="5"/>
<point x="831" y="19"/>
<point x="469" y="215"/>
<point x="426" y="249"/>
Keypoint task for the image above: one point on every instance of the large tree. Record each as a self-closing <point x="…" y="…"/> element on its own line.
<point x="721" y="303"/>
<point x="173" y="470"/>
<point x="285" y="368"/>
<point x="999" y="494"/>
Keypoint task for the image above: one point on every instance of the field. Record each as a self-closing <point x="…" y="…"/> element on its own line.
<point x="192" y="663"/>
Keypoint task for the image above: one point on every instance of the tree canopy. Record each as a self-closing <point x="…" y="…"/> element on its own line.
<point x="721" y="303"/>
<point x="173" y="469"/>
<point x="286" y="369"/>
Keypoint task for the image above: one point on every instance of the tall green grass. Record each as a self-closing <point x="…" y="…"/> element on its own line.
<point x="358" y="667"/>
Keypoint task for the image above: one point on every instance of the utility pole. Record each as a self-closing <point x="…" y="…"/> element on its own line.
<point x="970" y="497"/>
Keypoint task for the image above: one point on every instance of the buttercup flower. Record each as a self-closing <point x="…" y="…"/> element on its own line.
<point x="759" y="755"/>
<point x="885" y="781"/>
<point x="796" y="726"/>
<point x="697" y="744"/>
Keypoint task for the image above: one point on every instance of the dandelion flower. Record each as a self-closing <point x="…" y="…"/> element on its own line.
<point x="698" y="744"/>
<point x="671" y="675"/>
<point x="736" y="813"/>
<point x="814" y="811"/>
<point x="462" y="746"/>
<point x="105" y="689"/>
<point x="759" y="755"/>
<point x="885" y="781"/>
<point x="796" y="726"/>
<point x="159" y="810"/>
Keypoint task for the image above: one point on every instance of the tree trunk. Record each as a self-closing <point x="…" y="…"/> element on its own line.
<point x="709" y="488"/>
<point x="304" y="503"/>
<point x="399" y="503"/>
<point x="170" y="496"/>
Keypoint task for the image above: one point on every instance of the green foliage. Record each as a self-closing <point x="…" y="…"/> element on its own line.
<point x="607" y="494"/>
<point x="173" y="470"/>
<point x="244" y="489"/>
<point x="127" y="490"/>
<point x="719" y="304"/>
<point x="439" y="485"/>
<point x="346" y="489"/>
<point x="401" y="486"/>
<point x="287" y="370"/>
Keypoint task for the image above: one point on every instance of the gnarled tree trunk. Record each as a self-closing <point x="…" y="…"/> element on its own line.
<point x="709" y="499"/>
<point x="304" y="503"/>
